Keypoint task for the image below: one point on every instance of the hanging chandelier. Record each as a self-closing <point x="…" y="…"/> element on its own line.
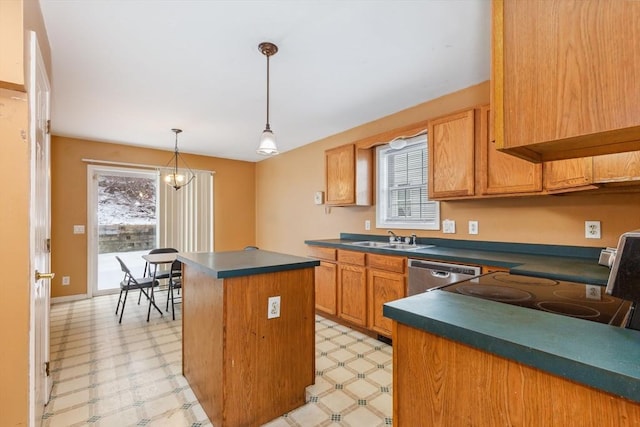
<point x="178" y="179"/>
<point x="267" y="145"/>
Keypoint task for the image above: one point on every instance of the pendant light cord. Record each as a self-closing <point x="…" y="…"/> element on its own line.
<point x="267" y="127"/>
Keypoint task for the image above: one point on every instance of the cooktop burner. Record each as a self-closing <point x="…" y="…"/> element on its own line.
<point x="554" y="296"/>
<point x="495" y="293"/>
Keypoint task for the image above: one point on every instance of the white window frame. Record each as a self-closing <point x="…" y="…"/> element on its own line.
<point x="384" y="218"/>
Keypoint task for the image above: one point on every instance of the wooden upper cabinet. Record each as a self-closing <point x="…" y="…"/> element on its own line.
<point x="501" y="173"/>
<point x="452" y="155"/>
<point x="349" y="172"/>
<point x="565" y="77"/>
<point x="621" y="167"/>
<point x="570" y="174"/>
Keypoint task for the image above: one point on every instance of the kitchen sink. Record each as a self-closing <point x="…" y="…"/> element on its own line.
<point x="406" y="246"/>
<point x="371" y="244"/>
<point x="388" y="245"/>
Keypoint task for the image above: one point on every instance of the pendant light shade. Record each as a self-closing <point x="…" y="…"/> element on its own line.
<point x="177" y="178"/>
<point x="267" y="145"/>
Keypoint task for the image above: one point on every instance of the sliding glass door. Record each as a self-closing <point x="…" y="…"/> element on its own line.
<point x="123" y="221"/>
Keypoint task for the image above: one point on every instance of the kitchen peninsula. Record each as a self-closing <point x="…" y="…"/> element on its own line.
<point x="459" y="360"/>
<point x="247" y="358"/>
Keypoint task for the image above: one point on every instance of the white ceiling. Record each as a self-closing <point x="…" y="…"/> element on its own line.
<point x="127" y="71"/>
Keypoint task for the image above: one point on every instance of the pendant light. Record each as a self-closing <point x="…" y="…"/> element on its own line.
<point x="267" y="145"/>
<point x="176" y="179"/>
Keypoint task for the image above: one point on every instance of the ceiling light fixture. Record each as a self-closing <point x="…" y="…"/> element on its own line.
<point x="267" y="145"/>
<point x="400" y="142"/>
<point x="175" y="179"/>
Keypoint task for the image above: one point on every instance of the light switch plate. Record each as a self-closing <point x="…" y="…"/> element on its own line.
<point x="318" y="198"/>
<point x="78" y="229"/>
<point x="449" y="226"/>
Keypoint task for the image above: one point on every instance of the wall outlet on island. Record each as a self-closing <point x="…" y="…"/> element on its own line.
<point x="273" y="309"/>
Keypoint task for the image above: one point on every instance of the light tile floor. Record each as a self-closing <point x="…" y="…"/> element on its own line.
<point x="105" y="374"/>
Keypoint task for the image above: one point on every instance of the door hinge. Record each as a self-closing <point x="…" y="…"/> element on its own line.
<point x="47" y="243"/>
<point x="46" y="368"/>
<point x="48" y="127"/>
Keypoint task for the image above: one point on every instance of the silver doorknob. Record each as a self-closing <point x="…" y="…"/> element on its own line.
<point x="44" y="275"/>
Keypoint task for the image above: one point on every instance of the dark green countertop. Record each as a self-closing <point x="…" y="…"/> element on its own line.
<point x="570" y="263"/>
<point x="602" y="356"/>
<point x="222" y="265"/>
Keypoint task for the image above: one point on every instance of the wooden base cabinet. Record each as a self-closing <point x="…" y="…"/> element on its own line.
<point x="326" y="280"/>
<point x="439" y="382"/>
<point x="326" y="287"/>
<point x="352" y="287"/>
<point x="384" y="286"/>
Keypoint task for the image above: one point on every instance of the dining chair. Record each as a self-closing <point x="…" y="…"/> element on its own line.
<point x="161" y="274"/>
<point x="175" y="284"/>
<point x="144" y="284"/>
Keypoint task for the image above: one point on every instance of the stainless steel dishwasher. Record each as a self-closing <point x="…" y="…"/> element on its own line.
<point x="426" y="275"/>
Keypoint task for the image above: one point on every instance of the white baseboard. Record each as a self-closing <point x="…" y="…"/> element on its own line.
<point x="58" y="300"/>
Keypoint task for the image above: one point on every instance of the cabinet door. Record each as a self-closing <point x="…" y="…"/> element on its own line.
<point x="340" y="165"/>
<point x="383" y="287"/>
<point x="567" y="174"/>
<point x="326" y="287"/>
<point x="621" y="167"/>
<point x="352" y="293"/>
<point x="564" y="77"/>
<point x="349" y="172"/>
<point x="451" y="155"/>
<point x="502" y="173"/>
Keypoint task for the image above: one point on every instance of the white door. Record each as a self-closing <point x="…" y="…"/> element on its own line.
<point x="39" y="92"/>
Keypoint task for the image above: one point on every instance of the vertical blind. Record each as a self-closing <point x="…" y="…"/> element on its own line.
<point x="186" y="215"/>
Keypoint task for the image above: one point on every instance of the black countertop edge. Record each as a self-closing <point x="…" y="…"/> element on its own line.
<point x="221" y="265"/>
<point x="519" y="248"/>
<point x="588" y="370"/>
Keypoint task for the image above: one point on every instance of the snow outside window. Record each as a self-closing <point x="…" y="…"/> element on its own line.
<point x="403" y="201"/>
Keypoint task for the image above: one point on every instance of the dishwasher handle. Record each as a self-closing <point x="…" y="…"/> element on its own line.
<point x="440" y="274"/>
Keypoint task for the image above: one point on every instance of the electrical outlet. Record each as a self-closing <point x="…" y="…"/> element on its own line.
<point x="273" y="309"/>
<point x="592" y="229"/>
<point x="367" y="225"/>
<point x="66" y="280"/>
<point x="473" y="227"/>
<point x="78" y="229"/>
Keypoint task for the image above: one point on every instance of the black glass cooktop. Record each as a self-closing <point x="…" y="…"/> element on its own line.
<point x="578" y="300"/>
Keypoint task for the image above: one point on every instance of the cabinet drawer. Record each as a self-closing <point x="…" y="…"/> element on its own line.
<point x="350" y="257"/>
<point x="322" y="253"/>
<point x="389" y="263"/>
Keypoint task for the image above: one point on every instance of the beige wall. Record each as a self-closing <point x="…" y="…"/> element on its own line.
<point x="286" y="214"/>
<point x="15" y="215"/>
<point x="234" y="201"/>
<point x="14" y="252"/>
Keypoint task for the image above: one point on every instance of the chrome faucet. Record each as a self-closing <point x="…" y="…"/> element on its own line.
<point x="413" y="239"/>
<point x="395" y="238"/>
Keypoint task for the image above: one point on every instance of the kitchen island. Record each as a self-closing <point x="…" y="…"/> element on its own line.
<point x="459" y="360"/>
<point x="246" y="363"/>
